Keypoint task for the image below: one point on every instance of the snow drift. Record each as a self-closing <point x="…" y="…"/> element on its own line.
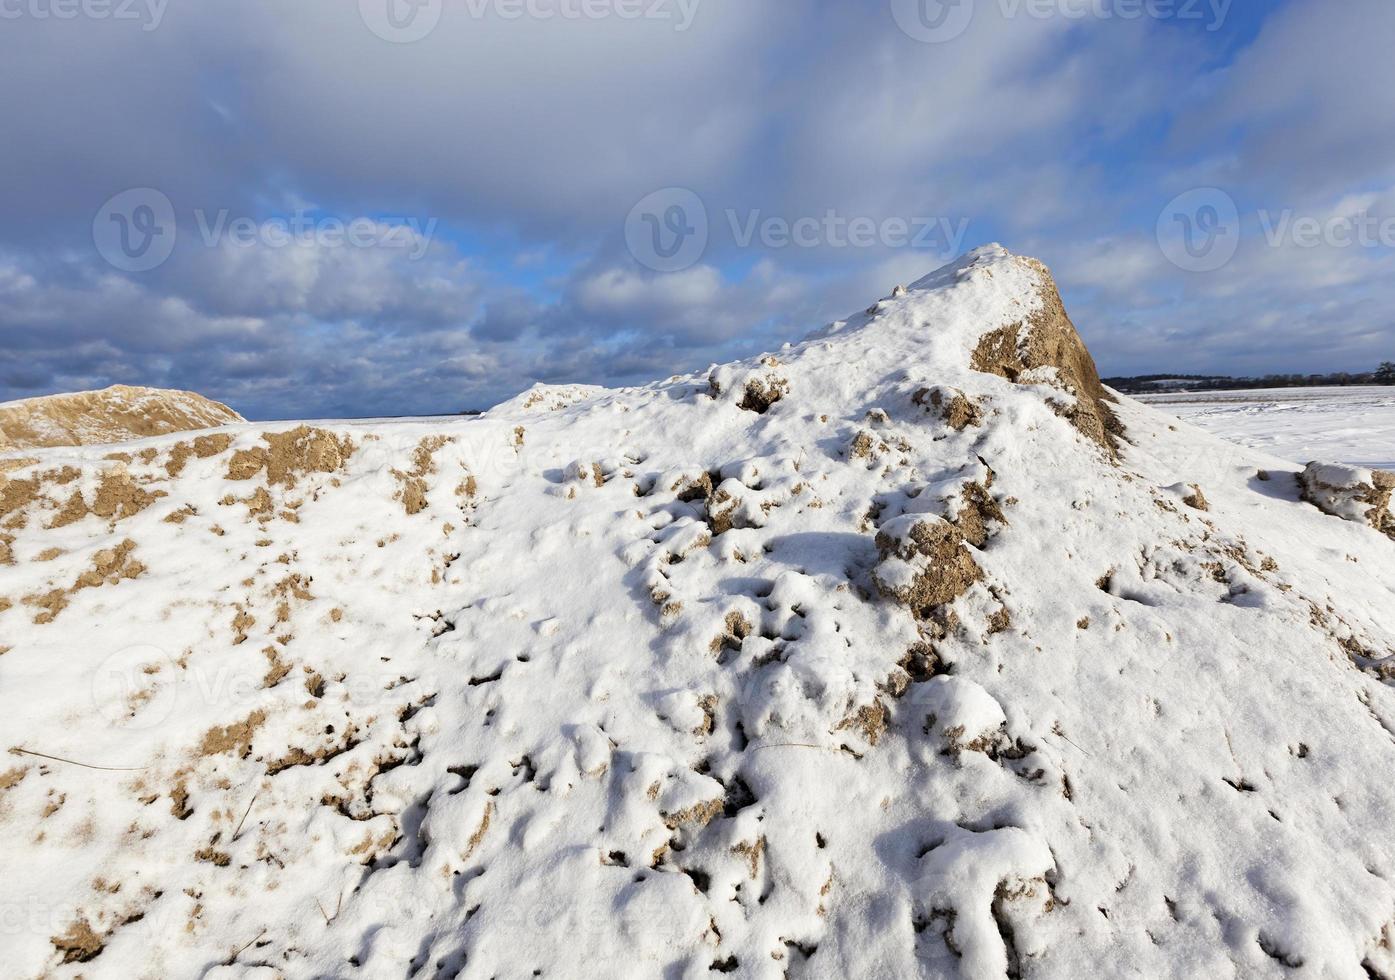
<point x="907" y="650"/>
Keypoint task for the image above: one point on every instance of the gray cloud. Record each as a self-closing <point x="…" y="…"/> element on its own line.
<point x="528" y="142"/>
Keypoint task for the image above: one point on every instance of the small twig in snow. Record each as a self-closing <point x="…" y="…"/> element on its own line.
<point x="1057" y="730"/>
<point x="245" y="813"/>
<point x="793" y="745"/>
<point x="16" y="750"/>
<point x="233" y="958"/>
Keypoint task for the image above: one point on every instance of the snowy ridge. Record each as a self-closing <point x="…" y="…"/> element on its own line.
<point x="852" y="660"/>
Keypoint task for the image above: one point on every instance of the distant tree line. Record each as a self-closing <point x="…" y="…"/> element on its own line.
<point x="1142" y="384"/>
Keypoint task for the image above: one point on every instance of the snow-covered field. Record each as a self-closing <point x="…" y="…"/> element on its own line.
<point x="888" y="654"/>
<point x="1353" y="425"/>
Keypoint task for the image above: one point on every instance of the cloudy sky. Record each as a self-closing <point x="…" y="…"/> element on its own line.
<point x="356" y="207"/>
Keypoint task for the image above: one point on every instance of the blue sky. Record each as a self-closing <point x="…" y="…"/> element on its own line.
<point x="1213" y="183"/>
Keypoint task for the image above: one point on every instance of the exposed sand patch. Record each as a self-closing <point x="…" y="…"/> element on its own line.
<point x="414" y="487"/>
<point x="1351" y="493"/>
<point x="15" y="495"/>
<point x="118" y="497"/>
<point x="110" y="566"/>
<point x="955" y="408"/>
<point x="201" y="448"/>
<point x="869" y="720"/>
<point x="1196" y="500"/>
<point x="1048" y="339"/>
<point x="925" y="563"/>
<point x="288" y="455"/>
<point x="977" y="511"/>
<point x="760" y="394"/>
<point x="235" y="738"/>
<point x="80" y="943"/>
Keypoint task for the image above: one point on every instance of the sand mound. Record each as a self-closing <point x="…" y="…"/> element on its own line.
<point x="891" y="654"/>
<point x="116" y="414"/>
<point x="1045" y="347"/>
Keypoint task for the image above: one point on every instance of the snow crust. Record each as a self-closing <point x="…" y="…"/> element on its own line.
<point x="602" y="683"/>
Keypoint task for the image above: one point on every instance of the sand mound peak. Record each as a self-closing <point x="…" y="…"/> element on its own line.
<point x="116" y="414"/>
<point x="1046" y="346"/>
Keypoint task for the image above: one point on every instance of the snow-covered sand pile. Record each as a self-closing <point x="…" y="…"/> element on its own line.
<point x="1352" y="493"/>
<point x="116" y="414"/>
<point x="850" y="661"/>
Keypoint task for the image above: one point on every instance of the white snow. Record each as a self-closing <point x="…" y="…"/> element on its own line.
<point x="1352" y="424"/>
<point x="601" y="684"/>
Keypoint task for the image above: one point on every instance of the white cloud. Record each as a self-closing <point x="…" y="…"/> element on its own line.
<point x="1309" y="100"/>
